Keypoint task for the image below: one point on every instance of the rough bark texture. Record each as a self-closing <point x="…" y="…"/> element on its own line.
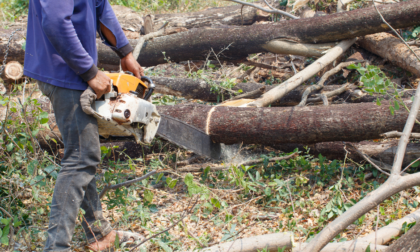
<point x="391" y="48"/>
<point x="16" y="53"/>
<point x="350" y="122"/>
<point x="383" y="151"/>
<point x="230" y="15"/>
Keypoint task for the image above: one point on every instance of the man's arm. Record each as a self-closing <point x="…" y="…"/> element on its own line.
<point x="112" y="34"/>
<point x="58" y="27"/>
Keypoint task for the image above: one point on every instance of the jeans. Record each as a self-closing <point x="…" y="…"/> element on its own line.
<point x="76" y="185"/>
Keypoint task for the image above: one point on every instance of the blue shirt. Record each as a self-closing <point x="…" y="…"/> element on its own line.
<point x="61" y="40"/>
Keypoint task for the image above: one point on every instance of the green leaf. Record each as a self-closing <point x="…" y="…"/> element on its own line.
<point x="5" y="221"/>
<point x="352" y="66"/>
<point x="391" y="109"/>
<point x="5" y="240"/>
<point x="117" y="241"/>
<point x="267" y="191"/>
<point x="148" y="195"/>
<point x="416" y="164"/>
<point x="240" y="91"/>
<point x="215" y="202"/>
<point x="160" y="177"/>
<point x="415" y="32"/>
<point x="368" y="249"/>
<point x="43" y="120"/>
<point x="1" y="232"/>
<point x="396" y="105"/>
<point x="32" y="166"/>
<point x="164" y="246"/>
<point x="43" y="115"/>
<point x="49" y="168"/>
<point x="171" y="182"/>
<point x="9" y="147"/>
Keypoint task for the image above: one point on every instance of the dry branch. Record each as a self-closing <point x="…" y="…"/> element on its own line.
<point x="395" y="134"/>
<point x="278" y="92"/>
<point x="323" y="79"/>
<point x="270" y="241"/>
<point x="391" y="48"/>
<point x="357" y="246"/>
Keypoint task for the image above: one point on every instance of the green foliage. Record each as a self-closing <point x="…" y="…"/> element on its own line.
<point x="194" y="188"/>
<point x="376" y="82"/>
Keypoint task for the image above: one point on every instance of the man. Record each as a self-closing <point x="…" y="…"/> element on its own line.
<point x="61" y="54"/>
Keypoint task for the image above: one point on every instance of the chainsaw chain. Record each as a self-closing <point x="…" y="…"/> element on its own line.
<point x="7" y="50"/>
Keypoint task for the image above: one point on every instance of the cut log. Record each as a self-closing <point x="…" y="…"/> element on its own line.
<point x="13" y="71"/>
<point x="391" y="48"/>
<point x="230" y="15"/>
<point x="350" y="122"/>
<point x="381" y="151"/>
<point x="242" y="41"/>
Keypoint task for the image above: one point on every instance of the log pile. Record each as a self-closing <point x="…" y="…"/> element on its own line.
<point x="331" y="114"/>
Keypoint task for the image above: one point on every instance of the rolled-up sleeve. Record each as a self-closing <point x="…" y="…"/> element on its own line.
<point x="59" y="29"/>
<point x="106" y="16"/>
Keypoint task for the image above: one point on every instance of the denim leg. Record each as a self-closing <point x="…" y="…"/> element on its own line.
<point x="76" y="185"/>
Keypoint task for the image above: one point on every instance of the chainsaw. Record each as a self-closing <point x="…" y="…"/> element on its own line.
<point x="127" y="111"/>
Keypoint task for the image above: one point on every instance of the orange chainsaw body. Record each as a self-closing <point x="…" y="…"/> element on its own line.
<point x="124" y="83"/>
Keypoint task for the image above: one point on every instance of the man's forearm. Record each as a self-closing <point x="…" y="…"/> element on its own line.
<point x="108" y="35"/>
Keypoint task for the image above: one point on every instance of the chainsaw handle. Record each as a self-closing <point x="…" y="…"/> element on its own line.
<point x="150" y="89"/>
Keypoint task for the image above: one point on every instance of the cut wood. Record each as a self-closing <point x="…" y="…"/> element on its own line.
<point x="13" y="70"/>
<point x="384" y="152"/>
<point x="391" y="48"/>
<point x="350" y="122"/>
<point x="272" y="242"/>
<point x="195" y="44"/>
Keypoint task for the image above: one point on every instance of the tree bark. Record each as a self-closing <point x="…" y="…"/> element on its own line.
<point x="350" y="122"/>
<point x="410" y="242"/>
<point x="381" y="151"/>
<point x="241" y="41"/>
<point x="392" y="49"/>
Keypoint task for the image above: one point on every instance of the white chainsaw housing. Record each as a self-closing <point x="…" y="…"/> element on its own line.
<point x="127" y="115"/>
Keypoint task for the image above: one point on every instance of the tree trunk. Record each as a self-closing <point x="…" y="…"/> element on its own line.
<point x="410" y="242"/>
<point x="350" y="122"/>
<point x="241" y="41"/>
<point x="230" y="15"/>
<point x="381" y="151"/>
<point x="196" y="43"/>
<point x="392" y="49"/>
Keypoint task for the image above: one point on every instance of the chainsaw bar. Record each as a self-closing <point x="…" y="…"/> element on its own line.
<point x="188" y="137"/>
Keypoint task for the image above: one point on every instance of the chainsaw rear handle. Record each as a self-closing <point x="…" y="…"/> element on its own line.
<point x="150" y="89"/>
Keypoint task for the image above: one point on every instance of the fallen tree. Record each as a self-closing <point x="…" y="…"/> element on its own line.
<point x="391" y="48"/>
<point x="381" y="151"/>
<point x="350" y="122"/>
<point x="241" y="41"/>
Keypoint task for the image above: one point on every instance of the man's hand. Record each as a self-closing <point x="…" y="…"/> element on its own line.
<point x="129" y="63"/>
<point x="100" y="84"/>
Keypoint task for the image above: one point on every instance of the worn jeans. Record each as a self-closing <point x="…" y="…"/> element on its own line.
<point x="76" y="185"/>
